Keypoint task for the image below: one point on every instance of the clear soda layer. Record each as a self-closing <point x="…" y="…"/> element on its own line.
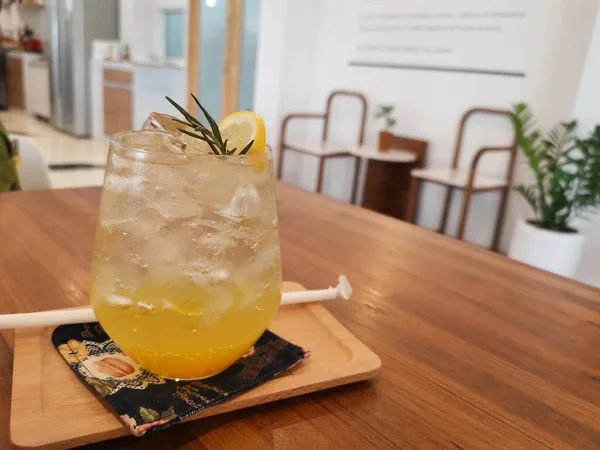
<point x="186" y="274"/>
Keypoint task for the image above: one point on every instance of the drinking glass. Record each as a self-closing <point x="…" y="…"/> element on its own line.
<point x="186" y="274"/>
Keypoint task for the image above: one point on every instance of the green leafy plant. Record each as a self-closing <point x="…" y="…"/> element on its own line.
<point x="566" y="170"/>
<point x="211" y="136"/>
<point x="386" y="112"/>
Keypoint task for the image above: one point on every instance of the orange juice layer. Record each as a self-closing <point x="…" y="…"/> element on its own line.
<point x="190" y="331"/>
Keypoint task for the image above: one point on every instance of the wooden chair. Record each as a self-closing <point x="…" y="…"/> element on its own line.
<point x="323" y="150"/>
<point x="469" y="180"/>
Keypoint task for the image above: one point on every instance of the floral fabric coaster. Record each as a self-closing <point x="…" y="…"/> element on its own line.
<point x="149" y="403"/>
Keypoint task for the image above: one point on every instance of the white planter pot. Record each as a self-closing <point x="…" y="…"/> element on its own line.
<point x="555" y="252"/>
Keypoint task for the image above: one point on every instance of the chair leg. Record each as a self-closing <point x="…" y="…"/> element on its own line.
<point x="280" y="163"/>
<point x="320" y="176"/>
<point x="413" y="200"/>
<point x="500" y="219"/>
<point x="357" y="164"/>
<point x="462" y="224"/>
<point x="446" y="211"/>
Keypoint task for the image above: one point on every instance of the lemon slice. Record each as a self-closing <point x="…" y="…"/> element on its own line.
<point x="242" y="127"/>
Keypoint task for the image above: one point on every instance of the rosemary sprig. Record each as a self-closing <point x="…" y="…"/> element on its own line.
<point x="211" y="136"/>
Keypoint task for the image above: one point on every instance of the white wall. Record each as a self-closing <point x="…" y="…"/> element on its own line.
<point x="285" y="69"/>
<point x="141" y="25"/>
<point x="587" y="112"/>
<point x="136" y="27"/>
<point x="429" y="105"/>
<point x="35" y="18"/>
<point x="303" y="55"/>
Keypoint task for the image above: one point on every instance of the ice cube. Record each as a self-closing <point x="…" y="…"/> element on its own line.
<point x="163" y="122"/>
<point x="268" y="257"/>
<point x="144" y="308"/>
<point x="123" y="184"/>
<point x="173" y="204"/>
<point x="153" y="143"/>
<point x="118" y="300"/>
<point x="217" y="240"/>
<point x="163" y="251"/>
<point x="197" y="277"/>
<point x="120" y="165"/>
<point x="221" y="302"/>
<point x="131" y="226"/>
<point x="170" y="125"/>
<point x="115" y="274"/>
<point x="114" y="223"/>
<point x="207" y="227"/>
<point x="196" y="146"/>
<point x="218" y="276"/>
<point x="161" y="142"/>
<point x="175" y="211"/>
<point x="244" y="204"/>
<point x="204" y="277"/>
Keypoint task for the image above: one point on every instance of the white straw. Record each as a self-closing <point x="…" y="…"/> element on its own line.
<point x="47" y="318"/>
<point x="84" y="315"/>
<point x="342" y="290"/>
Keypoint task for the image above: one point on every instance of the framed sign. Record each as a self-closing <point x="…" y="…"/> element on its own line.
<point x="470" y="36"/>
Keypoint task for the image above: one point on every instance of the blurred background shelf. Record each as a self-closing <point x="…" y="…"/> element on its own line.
<point x="33" y="4"/>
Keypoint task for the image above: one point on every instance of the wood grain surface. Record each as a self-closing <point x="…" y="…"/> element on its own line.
<point x="478" y="352"/>
<point x="42" y="404"/>
<point x="118" y="76"/>
<point x="193" y="52"/>
<point x="118" y="110"/>
<point x="15" y="84"/>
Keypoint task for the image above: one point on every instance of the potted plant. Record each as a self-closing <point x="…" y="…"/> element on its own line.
<point x="566" y="186"/>
<point x="386" y="138"/>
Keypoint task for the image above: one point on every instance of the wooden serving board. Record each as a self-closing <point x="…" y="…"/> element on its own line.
<point x="53" y="409"/>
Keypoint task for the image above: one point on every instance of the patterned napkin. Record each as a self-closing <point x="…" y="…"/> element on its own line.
<point x="149" y="403"/>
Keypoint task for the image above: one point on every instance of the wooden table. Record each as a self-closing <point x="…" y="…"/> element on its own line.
<point x="478" y="352"/>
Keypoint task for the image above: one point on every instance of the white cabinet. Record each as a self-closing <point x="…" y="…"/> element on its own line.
<point x="37" y="88"/>
<point x="151" y="86"/>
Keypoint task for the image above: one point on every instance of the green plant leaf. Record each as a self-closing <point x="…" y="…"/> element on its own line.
<point x="247" y="147"/>
<point x="169" y="414"/>
<point x="385" y="112"/>
<point x="202" y="138"/>
<point x="214" y="146"/>
<point x="189" y="133"/>
<point x="205" y="131"/>
<point x="531" y="195"/>
<point x="211" y="136"/>
<point x="184" y="122"/>
<point x="567" y="170"/>
<point x="213" y="125"/>
<point x="149" y="415"/>
<point x="187" y="115"/>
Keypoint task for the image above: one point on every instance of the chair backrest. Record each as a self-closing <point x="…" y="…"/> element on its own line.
<point x="363" y="121"/>
<point x="33" y="170"/>
<point x="463" y="123"/>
